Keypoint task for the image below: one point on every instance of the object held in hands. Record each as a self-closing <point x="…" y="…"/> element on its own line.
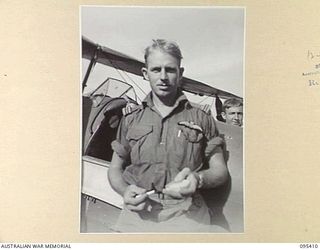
<point x="147" y="193"/>
<point x="174" y="188"/>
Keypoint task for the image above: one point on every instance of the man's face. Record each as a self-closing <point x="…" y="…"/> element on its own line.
<point x="164" y="74"/>
<point x="233" y="115"/>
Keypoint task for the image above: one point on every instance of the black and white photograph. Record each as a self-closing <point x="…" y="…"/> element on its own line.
<point x="162" y="118"/>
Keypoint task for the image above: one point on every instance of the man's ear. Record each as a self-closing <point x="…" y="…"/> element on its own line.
<point x="181" y="72"/>
<point x="144" y="73"/>
<point x="223" y="114"/>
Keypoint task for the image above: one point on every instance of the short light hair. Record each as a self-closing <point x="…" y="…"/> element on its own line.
<point x="232" y="102"/>
<point x="169" y="47"/>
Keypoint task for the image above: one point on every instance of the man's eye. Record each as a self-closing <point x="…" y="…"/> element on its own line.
<point x="171" y="70"/>
<point x="156" y="70"/>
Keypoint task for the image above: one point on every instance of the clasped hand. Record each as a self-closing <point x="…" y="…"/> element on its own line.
<point x="134" y="198"/>
<point x="184" y="184"/>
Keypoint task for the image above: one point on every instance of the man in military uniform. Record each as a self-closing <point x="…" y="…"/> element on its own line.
<point x="165" y="151"/>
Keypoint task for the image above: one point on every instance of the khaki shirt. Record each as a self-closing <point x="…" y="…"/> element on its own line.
<point x="157" y="148"/>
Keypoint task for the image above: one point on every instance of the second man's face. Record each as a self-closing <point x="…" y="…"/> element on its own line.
<point x="164" y="73"/>
<point x="234" y="116"/>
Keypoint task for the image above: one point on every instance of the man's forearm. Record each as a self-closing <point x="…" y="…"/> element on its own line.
<point x="116" y="181"/>
<point x="208" y="179"/>
<point x="217" y="174"/>
<point x="115" y="175"/>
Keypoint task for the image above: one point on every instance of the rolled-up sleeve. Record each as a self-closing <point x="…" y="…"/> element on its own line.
<point x="212" y="145"/>
<point x="121" y="144"/>
<point x="212" y="135"/>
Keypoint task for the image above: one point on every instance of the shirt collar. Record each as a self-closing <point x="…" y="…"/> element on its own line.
<point x="181" y="99"/>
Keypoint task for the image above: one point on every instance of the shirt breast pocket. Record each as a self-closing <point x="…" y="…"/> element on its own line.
<point x="192" y="145"/>
<point x="137" y="137"/>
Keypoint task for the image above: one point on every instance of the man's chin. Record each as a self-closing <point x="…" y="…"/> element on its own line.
<point x="236" y="124"/>
<point x="165" y="93"/>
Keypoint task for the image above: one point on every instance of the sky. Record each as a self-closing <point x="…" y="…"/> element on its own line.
<point x="211" y="40"/>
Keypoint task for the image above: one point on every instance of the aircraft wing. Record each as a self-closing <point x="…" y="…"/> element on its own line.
<point x="110" y="57"/>
<point x="129" y="64"/>
<point x="200" y="88"/>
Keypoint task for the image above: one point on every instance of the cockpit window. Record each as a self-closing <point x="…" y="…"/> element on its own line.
<point x="112" y="88"/>
<point x="107" y="101"/>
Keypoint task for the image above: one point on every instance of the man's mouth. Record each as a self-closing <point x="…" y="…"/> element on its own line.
<point x="163" y="86"/>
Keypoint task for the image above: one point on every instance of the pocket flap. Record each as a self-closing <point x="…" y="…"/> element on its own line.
<point x="138" y="132"/>
<point x="191" y="131"/>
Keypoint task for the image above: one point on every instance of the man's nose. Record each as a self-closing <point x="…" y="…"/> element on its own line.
<point x="164" y="75"/>
<point x="236" y="115"/>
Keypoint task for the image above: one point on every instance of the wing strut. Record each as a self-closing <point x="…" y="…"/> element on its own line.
<point x="90" y="68"/>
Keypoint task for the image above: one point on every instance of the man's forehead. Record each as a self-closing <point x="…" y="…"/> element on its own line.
<point x="235" y="108"/>
<point x="160" y="56"/>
